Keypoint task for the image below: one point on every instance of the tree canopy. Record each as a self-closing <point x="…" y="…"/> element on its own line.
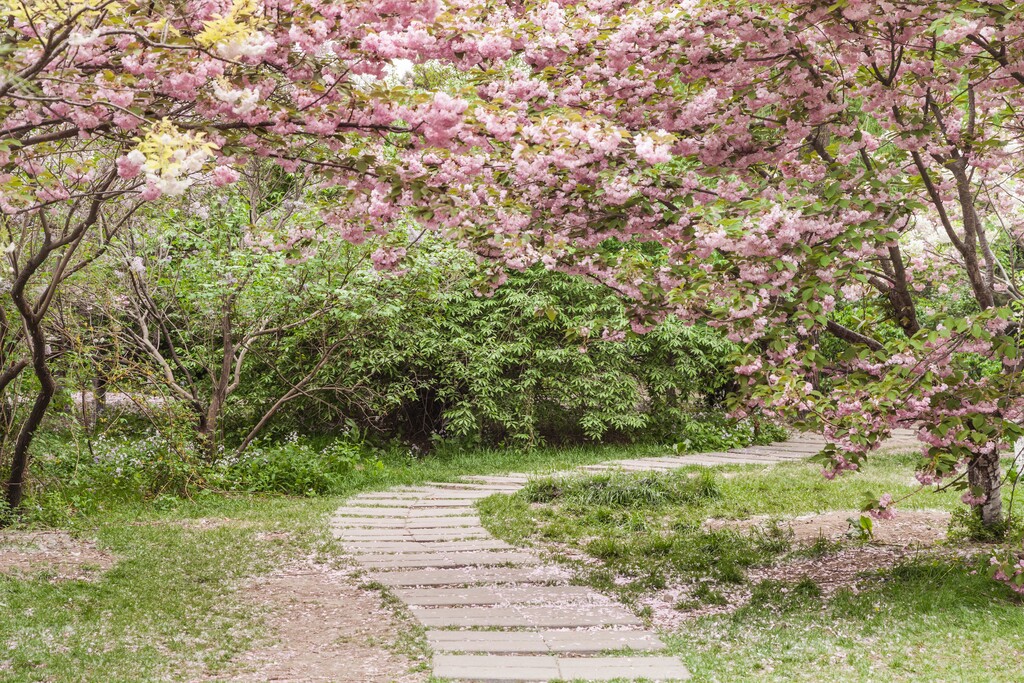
<point x="835" y="185"/>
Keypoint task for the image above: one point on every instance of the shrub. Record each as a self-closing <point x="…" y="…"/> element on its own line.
<point x="295" y="467"/>
<point x="547" y="358"/>
<point x="77" y="477"/>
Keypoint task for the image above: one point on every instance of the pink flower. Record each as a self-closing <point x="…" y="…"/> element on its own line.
<point x="130" y="165"/>
<point x="224" y="175"/>
<point x="386" y="258"/>
<point x="970" y="499"/>
<point x="886" y="508"/>
<point x="651" y="151"/>
<point x="150" y="193"/>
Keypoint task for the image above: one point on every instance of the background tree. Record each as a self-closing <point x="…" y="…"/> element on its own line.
<point x="106" y="104"/>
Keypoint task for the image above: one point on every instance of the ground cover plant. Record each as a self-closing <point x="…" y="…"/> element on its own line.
<point x="174" y="602"/>
<point x="168" y="607"/>
<point x="767" y="601"/>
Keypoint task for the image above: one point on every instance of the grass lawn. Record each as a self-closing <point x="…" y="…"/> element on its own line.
<point x="927" y="616"/>
<point x="171" y="607"/>
<point x="174" y="606"/>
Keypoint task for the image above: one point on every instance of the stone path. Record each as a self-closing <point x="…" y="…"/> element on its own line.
<point x="493" y="612"/>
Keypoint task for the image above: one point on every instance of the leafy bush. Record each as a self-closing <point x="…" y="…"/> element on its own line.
<point x="715" y="432"/>
<point x="294" y="466"/>
<point x="547" y="358"/>
<point x="68" y="480"/>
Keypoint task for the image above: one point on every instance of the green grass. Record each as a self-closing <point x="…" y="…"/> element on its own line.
<point x="934" y="618"/>
<point x="171" y="607"/>
<point x="927" y="620"/>
<point x="646" y="528"/>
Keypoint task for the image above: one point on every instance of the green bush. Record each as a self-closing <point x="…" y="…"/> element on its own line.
<point x="75" y="477"/>
<point x="695" y="433"/>
<point x="547" y="358"/>
<point x="293" y="466"/>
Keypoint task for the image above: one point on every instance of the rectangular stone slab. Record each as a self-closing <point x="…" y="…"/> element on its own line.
<point x="543" y="642"/>
<point x="459" y="577"/>
<point x="355" y="544"/>
<point x="588" y="642"/>
<point x="517" y="477"/>
<point x="493" y="669"/>
<point x="729" y="459"/>
<point x="575" y="616"/>
<point x="366" y="523"/>
<point x="410" y="523"/>
<point x="611" y="668"/>
<point x="353" y="534"/>
<point x="424" y="546"/>
<point x="494" y="595"/>
<point x="454" y="534"/>
<point x="439" y="522"/>
<point x="399" y="535"/>
<point x="638" y="468"/>
<point x="461" y="501"/>
<point x="499" y="668"/>
<point x="795" y="449"/>
<point x="442" y="560"/>
<point x="523" y="642"/>
<point x="423" y="511"/>
<point x="674" y="461"/>
<point x="436" y="495"/>
<point x="408" y="511"/>
<point x="768" y="453"/>
<point x="352" y="511"/>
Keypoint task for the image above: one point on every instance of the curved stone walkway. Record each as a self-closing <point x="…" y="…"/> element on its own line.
<point x="493" y="612"/>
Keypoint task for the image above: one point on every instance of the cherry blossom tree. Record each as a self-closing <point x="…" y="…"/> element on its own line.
<point x="799" y="173"/>
<point x="780" y="168"/>
<point x="107" y="105"/>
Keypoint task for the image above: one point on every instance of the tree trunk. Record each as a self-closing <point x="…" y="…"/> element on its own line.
<point x="99" y="395"/>
<point x="983" y="475"/>
<point x="47" y="389"/>
<point x="209" y="425"/>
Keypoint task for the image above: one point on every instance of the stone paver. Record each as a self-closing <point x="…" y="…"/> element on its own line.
<point x="401" y="546"/>
<point x="611" y="668"/>
<point x="518" y="478"/>
<point x="406" y="523"/>
<point x="450" y="559"/>
<point x="411" y="512"/>
<point x="487" y="668"/>
<point x="769" y="453"/>
<point x="602" y="641"/>
<point x="562" y="616"/>
<point x="492" y="642"/>
<point x="465" y="577"/>
<point x="496" y="595"/>
<point x="543" y="642"/>
<point x="418" y="501"/>
<point x="427" y="543"/>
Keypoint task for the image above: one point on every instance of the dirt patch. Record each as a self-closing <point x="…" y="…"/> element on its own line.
<point x="844" y="566"/>
<point x="325" y="628"/>
<point x="56" y="553"/>
<point x="843" y="569"/>
<point x="907" y="528"/>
